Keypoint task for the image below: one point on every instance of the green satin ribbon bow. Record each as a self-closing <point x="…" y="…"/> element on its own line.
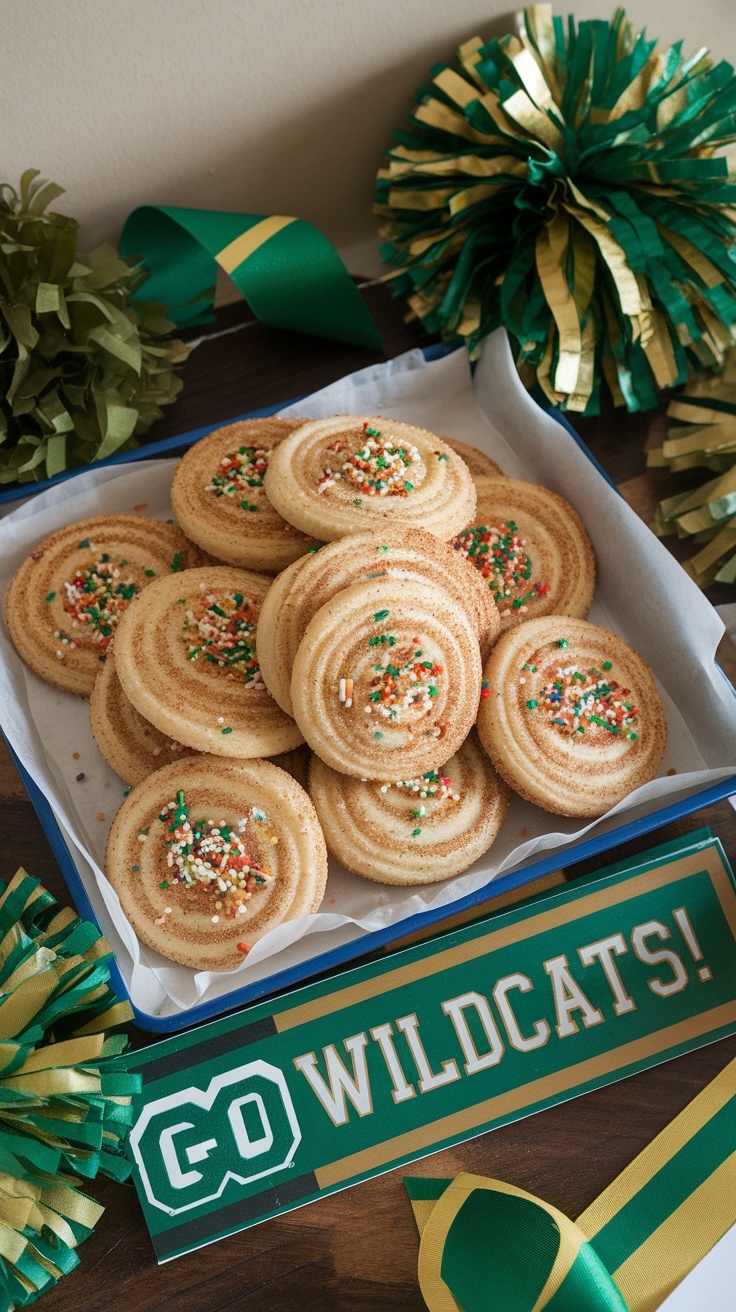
<point x="290" y="274"/>
<point x="489" y="1247"/>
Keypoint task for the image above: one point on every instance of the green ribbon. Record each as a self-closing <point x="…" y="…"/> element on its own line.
<point x="289" y="273"/>
<point x="488" y="1245"/>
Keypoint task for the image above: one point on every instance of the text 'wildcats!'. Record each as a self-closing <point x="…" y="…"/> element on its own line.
<point x="271" y="1108"/>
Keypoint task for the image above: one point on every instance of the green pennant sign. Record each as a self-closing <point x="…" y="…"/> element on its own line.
<point x="291" y="1099"/>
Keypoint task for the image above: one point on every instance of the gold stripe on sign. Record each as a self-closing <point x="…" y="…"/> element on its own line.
<point x="708" y="861"/>
<point x="235" y="254"/>
<point x="651" y="1160"/>
<point x="680" y="1242"/>
<point x="516" y="1100"/>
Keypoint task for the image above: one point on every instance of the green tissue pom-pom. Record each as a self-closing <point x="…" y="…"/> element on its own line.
<point x="84" y="368"/>
<point x="568" y="184"/>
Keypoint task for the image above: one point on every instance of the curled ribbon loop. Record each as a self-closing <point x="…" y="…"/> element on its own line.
<point x="289" y="273"/>
<point x="486" y="1245"/>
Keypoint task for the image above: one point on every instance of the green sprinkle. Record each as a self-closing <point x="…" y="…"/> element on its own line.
<point x="612" y="728"/>
<point x="85" y="543"/>
<point x="562" y="642"/>
<point x="150" y="573"/>
<point x="164" y="883"/>
<point x="227" y="730"/>
<point x="432" y="692"/>
<point x="122" y="562"/>
<point x="373" y="642"/>
<point x="487" y="683"/>
<point x="51" y="596"/>
<point x="181" y="601"/>
<point x="531" y="704"/>
<point x="377" y="734"/>
<point x="176" y="562"/>
<point x="381" y="548"/>
<point x="409" y="486"/>
<point x="380" y="615"/>
<point x="135" y="867"/>
<point x="607" y="665"/>
<point x="440" y="455"/>
<point x="632" y="737"/>
<point x="414" y="832"/>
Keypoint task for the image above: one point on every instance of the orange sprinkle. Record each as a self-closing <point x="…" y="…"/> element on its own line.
<point x="142" y="505"/>
<point x="100" y="815"/>
<point x="75" y="756"/>
<point x="671" y="772"/>
<point x="243" y="947"/>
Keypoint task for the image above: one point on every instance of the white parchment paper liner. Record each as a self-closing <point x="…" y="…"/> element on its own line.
<point x="642" y="594"/>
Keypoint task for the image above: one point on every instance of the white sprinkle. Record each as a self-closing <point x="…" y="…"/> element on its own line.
<point x="157" y="751"/>
<point x="167" y="911"/>
<point x="215" y="920"/>
<point x="341" y="690"/>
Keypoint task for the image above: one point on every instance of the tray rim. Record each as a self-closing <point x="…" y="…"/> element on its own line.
<point x="376" y="939"/>
<point x="344" y="953"/>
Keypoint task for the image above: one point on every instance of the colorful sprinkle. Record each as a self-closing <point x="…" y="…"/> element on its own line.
<point x="221" y="631"/>
<point x="215" y="857"/>
<point x="377" y="468"/>
<point x="51" y="596"/>
<point x="239" y="474"/>
<point x="498" y="552"/>
<point x="575" y="699"/>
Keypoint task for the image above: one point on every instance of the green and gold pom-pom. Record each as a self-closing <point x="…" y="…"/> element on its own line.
<point x="702" y="435"/>
<point x="568" y="183"/>
<point x="64" y="1113"/>
<point x="84" y="366"/>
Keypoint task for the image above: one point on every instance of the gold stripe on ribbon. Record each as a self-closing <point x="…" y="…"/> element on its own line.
<point x="237" y="252"/>
<point x="680" y="1242"/>
<point x="671" y="1139"/>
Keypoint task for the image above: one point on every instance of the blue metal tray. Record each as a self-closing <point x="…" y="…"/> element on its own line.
<point x="377" y="939"/>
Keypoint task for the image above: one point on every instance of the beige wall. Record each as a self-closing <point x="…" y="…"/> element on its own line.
<point x="267" y="106"/>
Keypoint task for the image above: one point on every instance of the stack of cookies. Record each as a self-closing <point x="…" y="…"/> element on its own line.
<point x="425" y="636"/>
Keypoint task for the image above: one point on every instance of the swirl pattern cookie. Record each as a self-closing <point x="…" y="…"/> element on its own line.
<point x="220" y="501"/>
<point x="186" y="658"/>
<point x="531" y="548"/>
<point x="352" y="472"/>
<point x="477" y="461"/>
<point x="64" y="603"/>
<point x="570" y="716"/>
<point x="207" y="856"/>
<point x="394" y="551"/>
<point x="412" y="831"/>
<point x="132" y="746"/>
<point x="387" y="679"/>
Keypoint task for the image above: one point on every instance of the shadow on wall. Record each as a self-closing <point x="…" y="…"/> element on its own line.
<point x="320" y="165"/>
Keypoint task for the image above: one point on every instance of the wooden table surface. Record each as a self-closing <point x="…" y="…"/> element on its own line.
<point x="357" y="1250"/>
